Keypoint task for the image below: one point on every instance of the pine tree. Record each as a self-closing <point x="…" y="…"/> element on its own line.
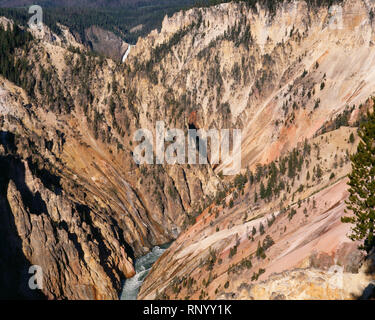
<point x="362" y="187"/>
<point x="262" y="190"/>
<point x="251" y="177"/>
<point x="261" y="228"/>
<point x="351" y="138"/>
<point x="319" y="172"/>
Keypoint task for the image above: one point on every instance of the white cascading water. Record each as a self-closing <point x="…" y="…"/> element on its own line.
<point x="126" y="53"/>
<point x="142" y="268"/>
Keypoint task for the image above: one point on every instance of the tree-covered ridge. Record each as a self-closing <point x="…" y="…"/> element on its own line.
<point x="119" y="20"/>
<point x="19" y="54"/>
<point x="10" y="67"/>
<point x="121" y="16"/>
<point x="75" y="3"/>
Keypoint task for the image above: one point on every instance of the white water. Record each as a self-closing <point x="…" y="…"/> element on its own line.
<point x="126" y="53"/>
<point x="142" y="268"/>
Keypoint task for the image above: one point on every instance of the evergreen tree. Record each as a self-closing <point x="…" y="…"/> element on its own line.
<point x="261" y="228"/>
<point x="362" y="187"/>
<point x="251" y="177"/>
<point x="308" y="176"/>
<point x="282" y="165"/>
<point x="306" y="148"/>
<point x="292" y="163"/>
<point x="351" y="138"/>
<point x="259" y="172"/>
<point x="262" y="190"/>
<point x="319" y="172"/>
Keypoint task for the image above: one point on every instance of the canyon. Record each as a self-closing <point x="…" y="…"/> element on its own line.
<point x="297" y="81"/>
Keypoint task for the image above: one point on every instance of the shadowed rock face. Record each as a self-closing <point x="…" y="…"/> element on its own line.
<point x="14" y="266"/>
<point x="106" y="43"/>
<point x="43" y="227"/>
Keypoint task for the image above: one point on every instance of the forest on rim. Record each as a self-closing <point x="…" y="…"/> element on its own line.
<point x="116" y="16"/>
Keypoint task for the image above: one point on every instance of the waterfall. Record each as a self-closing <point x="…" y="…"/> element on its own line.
<point x="142" y="268"/>
<point x="126" y="53"/>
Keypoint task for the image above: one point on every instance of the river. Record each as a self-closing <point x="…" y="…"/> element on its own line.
<point x="142" y="268"/>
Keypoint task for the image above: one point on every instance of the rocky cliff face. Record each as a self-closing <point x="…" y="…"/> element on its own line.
<point x="75" y="202"/>
<point x="308" y="284"/>
<point x="78" y="205"/>
<point x="259" y="71"/>
<point x="292" y="245"/>
<point x="283" y="78"/>
<point x="49" y="221"/>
